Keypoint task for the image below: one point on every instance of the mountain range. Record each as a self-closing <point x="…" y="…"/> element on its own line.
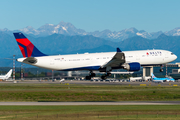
<point x="71" y="42"/>
<point x="70" y="30"/>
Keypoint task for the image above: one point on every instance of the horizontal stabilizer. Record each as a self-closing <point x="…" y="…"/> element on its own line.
<point x="28" y="60"/>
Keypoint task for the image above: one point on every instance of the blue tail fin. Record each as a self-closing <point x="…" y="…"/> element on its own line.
<point x="152" y="75"/>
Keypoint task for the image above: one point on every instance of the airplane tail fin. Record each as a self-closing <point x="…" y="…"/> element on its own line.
<point x="152" y="75"/>
<point x="9" y="74"/>
<point x="26" y="47"/>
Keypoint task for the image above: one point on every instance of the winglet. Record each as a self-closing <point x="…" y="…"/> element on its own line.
<point x="118" y="50"/>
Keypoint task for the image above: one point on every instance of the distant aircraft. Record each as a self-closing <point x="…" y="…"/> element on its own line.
<point x="155" y="79"/>
<point x="122" y="73"/>
<point x="103" y="62"/>
<point x="134" y="79"/>
<point x="8" y="75"/>
<point x="62" y="80"/>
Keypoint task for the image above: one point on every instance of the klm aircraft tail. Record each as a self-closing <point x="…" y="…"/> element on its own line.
<point x="26" y="47"/>
<point x="152" y="75"/>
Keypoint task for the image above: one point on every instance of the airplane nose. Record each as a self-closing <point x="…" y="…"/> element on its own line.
<point x="175" y="57"/>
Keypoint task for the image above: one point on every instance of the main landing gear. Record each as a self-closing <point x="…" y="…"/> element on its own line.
<point x="91" y="74"/>
<point x="161" y="69"/>
<point x="106" y="75"/>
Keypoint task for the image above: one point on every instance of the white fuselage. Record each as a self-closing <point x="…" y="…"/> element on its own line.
<point x="161" y="81"/>
<point x="96" y="60"/>
<point x="3" y="77"/>
<point x="133" y="79"/>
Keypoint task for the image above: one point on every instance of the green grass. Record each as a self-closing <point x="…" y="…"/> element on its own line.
<point x="148" y="112"/>
<point x="62" y="92"/>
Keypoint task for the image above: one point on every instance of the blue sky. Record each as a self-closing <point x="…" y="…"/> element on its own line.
<point x="92" y="15"/>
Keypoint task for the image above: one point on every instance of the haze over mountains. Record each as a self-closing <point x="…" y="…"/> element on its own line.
<point x="64" y="38"/>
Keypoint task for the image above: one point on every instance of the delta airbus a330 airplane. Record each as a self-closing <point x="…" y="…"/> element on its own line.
<point x="103" y="62"/>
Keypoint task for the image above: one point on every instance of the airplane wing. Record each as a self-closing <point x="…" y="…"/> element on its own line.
<point x="117" y="60"/>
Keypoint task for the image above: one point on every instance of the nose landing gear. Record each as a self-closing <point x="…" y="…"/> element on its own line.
<point x="161" y="69"/>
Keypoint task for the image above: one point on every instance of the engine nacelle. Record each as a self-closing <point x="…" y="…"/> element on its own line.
<point x="135" y="66"/>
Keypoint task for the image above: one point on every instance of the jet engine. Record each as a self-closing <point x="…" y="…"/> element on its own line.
<point x="164" y="80"/>
<point x="135" y="66"/>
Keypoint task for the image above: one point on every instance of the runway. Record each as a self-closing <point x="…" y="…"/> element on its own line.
<point x="90" y="103"/>
<point x="92" y="83"/>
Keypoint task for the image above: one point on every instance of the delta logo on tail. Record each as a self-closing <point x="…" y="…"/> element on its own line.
<point x="26" y="47"/>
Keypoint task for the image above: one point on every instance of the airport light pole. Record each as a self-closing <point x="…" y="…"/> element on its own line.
<point x="52" y="75"/>
<point x="22" y="71"/>
<point x="166" y="70"/>
<point x="14" y="67"/>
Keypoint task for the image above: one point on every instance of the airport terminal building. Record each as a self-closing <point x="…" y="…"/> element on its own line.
<point x="172" y="70"/>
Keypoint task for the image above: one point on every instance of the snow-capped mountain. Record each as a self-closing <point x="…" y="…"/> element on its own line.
<point x="124" y="34"/>
<point x="49" y="29"/>
<point x="121" y="35"/>
<point x="174" y="32"/>
<point x="69" y="29"/>
<point x="30" y="30"/>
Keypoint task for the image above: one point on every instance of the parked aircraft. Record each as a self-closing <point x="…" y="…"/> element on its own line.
<point x="103" y="62"/>
<point x="134" y="79"/>
<point x="8" y="75"/>
<point x="166" y="79"/>
<point x="122" y="73"/>
<point x="62" y="80"/>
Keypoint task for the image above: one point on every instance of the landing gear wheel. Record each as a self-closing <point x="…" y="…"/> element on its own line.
<point x="93" y="75"/>
<point x="103" y="77"/>
<point x="88" y="77"/>
<point x="108" y="74"/>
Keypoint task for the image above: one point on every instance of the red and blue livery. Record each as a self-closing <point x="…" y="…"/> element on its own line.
<point x="26" y="47"/>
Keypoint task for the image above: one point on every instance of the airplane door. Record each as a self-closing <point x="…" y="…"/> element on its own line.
<point x="166" y="55"/>
<point x="87" y="58"/>
<point x="51" y="61"/>
<point x="137" y="57"/>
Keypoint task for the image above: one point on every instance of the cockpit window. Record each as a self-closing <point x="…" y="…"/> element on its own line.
<point x="172" y="53"/>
